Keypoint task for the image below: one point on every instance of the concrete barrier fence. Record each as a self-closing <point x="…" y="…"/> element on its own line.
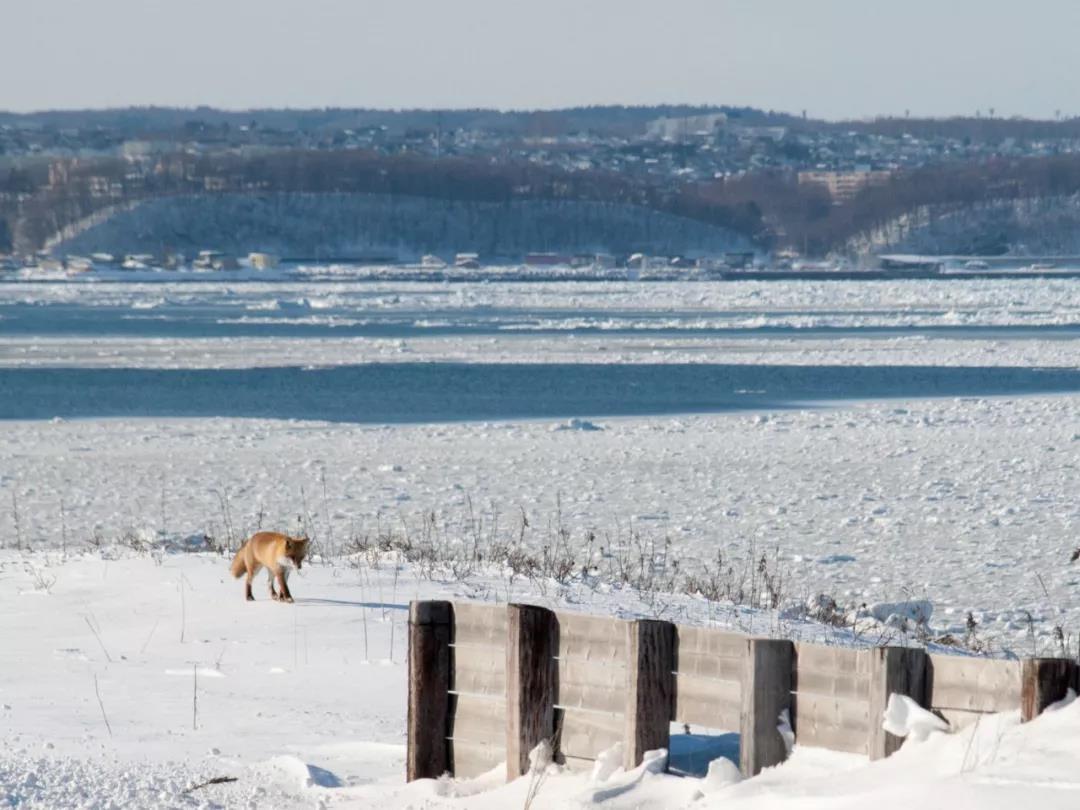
<point x="487" y="683"/>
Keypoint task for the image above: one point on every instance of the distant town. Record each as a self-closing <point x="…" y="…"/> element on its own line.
<point x="716" y="189"/>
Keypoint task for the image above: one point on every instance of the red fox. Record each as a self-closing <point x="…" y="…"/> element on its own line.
<point x="277" y="553"/>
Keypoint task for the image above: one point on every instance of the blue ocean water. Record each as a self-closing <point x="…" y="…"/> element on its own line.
<point x="423" y="392"/>
<point x="434" y="391"/>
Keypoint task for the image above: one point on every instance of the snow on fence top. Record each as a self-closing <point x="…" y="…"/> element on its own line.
<point x="487" y="683"/>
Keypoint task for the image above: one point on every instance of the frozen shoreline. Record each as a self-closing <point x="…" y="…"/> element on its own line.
<point x="965" y="502"/>
<point x="920" y="490"/>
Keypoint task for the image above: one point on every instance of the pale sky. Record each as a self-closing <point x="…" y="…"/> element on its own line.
<point x="834" y="58"/>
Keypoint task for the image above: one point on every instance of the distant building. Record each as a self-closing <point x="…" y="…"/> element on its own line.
<point x="913" y="263"/>
<point x="640" y="261"/>
<point x="843" y="185"/>
<point x="468" y="261"/>
<point x="60" y="172"/>
<point x="50" y="265"/>
<point x="602" y="261"/>
<point x="739" y="259"/>
<point x="263" y="261"/>
<point x="138" y="261"/>
<point x="214" y="260"/>
<point x="101" y="187"/>
<point x="545" y="259"/>
<point x="684" y="128"/>
<point x="711" y="264"/>
<point x="78" y="264"/>
<point x="138" y="150"/>
<point x="767" y="133"/>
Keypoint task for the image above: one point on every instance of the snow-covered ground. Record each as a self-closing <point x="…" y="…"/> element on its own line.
<point x="128" y="679"/>
<point x="322" y="352"/>
<point x="205" y="324"/>
<point x="969" y="503"/>
<point x="605" y="305"/>
<point x="882" y="443"/>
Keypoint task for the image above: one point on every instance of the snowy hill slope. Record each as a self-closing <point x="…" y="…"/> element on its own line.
<point x="345" y="224"/>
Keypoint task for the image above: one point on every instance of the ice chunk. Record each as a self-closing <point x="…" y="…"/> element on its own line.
<point x="607" y="763"/>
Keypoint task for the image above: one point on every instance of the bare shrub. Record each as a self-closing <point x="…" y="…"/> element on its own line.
<point x="43" y="580"/>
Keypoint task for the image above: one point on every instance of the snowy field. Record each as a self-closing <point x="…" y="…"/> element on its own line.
<point x="886" y="444"/>
<point x="968" y="503"/>
<point x="129" y="680"/>
<point x="542" y="305"/>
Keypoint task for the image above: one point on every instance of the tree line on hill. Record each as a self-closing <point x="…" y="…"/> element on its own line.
<point x="155" y="122"/>
<point x="771" y="208"/>
<point x="93" y="185"/>
<point x="941" y="189"/>
<point x="165" y="122"/>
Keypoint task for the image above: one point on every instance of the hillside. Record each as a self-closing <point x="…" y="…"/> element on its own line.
<point x="397" y="226"/>
<point x="535" y="186"/>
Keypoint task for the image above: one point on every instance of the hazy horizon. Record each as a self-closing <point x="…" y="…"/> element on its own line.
<point x="239" y="110"/>
<point x="842" y="59"/>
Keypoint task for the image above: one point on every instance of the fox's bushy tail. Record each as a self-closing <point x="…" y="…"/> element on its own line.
<point x="238" y="567"/>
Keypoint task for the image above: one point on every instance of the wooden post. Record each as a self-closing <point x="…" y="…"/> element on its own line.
<point x="532" y="640"/>
<point x="766" y="692"/>
<point x="650" y="688"/>
<point x="893" y="671"/>
<point x="430" y="625"/>
<point x="1044" y="681"/>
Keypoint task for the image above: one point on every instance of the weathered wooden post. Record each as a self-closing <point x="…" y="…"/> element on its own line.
<point x="650" y="688"/>
<point x="430" y="626"/>
<point x="532" y="639"/>
<point x="893" y="670"/>
<point x="1043" y="681"/>
<point x="766" y="692"/>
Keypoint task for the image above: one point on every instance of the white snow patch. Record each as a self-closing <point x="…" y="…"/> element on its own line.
<point x="906" y="718"/>
<point x="203" y="672"/>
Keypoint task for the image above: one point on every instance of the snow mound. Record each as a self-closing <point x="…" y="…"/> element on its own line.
<point x="296" y="771"/>
<point x="31" y="781"/>
<point x="620" y="783"/>
<point x="722" y="773"/>
<point x="915" y="610"/>
<point x="906" y="718"/>
<point x="607" y="763"/>
<point x="578" y="424"/>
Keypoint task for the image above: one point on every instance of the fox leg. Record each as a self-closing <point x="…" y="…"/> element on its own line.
<point x="247" y="586"/>
<point x="283" y="581"/>
<point x="270" y="580"/>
